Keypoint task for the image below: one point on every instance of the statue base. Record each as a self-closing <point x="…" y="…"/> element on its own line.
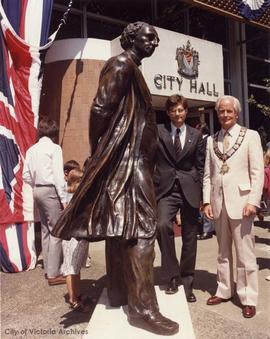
<point x="111" y="323"/>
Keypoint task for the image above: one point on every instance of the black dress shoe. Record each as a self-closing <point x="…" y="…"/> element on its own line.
<point x="155" y="323"/>
<point x="191" y="298"/>
<point x="205" y="235"/>
<point x="172" y="287"/>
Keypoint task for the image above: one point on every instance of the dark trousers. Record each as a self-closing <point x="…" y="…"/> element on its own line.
<point x="167" y="209"/>
<point x="130" y="275"/>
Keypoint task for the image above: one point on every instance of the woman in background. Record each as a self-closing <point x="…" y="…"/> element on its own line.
<point x="75" y="253"/>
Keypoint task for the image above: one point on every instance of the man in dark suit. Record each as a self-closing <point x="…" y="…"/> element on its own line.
<point x="178" y="178"/>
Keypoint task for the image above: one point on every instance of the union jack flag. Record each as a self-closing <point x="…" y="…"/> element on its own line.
<point x="24" y="28"/>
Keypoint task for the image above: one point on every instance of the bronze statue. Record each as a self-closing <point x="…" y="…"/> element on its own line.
<point x="116" y="199"/>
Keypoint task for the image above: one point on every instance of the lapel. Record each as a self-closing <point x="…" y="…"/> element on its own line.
<point x="165" y="136"/>
<point x="188" y="142"/>
<point x="217" y="160"/>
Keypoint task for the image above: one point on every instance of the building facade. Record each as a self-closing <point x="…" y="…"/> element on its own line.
<point x="233" y="55"/>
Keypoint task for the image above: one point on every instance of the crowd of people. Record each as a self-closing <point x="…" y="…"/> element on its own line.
<point x="218" y="179"/>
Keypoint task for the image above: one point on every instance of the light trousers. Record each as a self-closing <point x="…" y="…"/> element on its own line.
<point x="50" y="208"/>
<point x="238" y="231"/>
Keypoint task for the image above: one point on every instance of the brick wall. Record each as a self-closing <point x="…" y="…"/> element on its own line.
<point x="68" y="90"/>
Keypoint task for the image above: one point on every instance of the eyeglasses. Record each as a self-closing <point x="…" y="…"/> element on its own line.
<point x="178" y="110"/>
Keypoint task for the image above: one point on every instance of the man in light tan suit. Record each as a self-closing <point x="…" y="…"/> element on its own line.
<point x="232" y="188"/>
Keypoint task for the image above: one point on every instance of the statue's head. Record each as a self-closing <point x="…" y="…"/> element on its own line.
<point x="141" y="38"/>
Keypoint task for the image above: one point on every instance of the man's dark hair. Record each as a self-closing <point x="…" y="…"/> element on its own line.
<point x="70" y="165"/>
<point x="47" y="128"/>
<point x="129" y="33"/>
<point x="176" y="99"/>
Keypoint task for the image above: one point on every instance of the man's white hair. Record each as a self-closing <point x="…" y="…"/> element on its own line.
<point x="235" y="101"/>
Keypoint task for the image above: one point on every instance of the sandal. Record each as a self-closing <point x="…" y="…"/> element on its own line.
<point x="78" y="306"/>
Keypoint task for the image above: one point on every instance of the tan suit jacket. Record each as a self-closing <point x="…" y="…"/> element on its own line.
<point x="242" y="184"/>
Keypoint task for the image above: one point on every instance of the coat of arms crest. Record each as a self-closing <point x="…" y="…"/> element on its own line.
<point x="188" y="61"/>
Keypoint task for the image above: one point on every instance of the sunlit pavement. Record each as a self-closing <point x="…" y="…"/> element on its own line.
<point x="32" y="309"/>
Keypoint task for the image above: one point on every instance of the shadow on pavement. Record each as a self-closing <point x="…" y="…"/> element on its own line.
<point x="205" y="281"/>
<point x="263" y="263"/>
<point x="235" y="300"/>
<point x="260" y="240"/>
<point x="159" y="278"/>
<point x="262" y="224"/>
<point x="91" y="289"/>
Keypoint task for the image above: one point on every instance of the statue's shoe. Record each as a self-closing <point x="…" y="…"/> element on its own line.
<point x="155" y="323"/>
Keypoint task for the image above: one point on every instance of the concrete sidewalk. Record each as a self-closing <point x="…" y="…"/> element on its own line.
<point x="32" y="309"/>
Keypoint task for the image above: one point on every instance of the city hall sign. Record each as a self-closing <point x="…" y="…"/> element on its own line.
<point x="185" y="65"/>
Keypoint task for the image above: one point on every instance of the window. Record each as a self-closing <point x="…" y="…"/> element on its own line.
<point x="257" y="42"/>
<point x="129" y="11"/>
<point x="208" y="26"/>
<point x="172" y="15"/>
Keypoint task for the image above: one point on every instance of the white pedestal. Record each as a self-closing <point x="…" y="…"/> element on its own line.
<point x="111" y="323"/>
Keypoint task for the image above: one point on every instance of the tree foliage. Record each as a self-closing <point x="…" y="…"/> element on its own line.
<point x="265" y="109"/>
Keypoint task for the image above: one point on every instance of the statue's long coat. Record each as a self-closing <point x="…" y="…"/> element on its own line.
<point x="116" y="196"/>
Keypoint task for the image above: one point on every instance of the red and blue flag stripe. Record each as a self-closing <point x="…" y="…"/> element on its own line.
<point x="24" y="28"/>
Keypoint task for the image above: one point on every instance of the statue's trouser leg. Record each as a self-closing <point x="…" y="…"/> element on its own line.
<point x="134" y="260"/>
<point x="138" y="259"/>
<point x="116" y="286"/>
<point x="130" y="274"/>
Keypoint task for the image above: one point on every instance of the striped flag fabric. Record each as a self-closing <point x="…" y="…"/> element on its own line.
<point x="17" y="247"/>
<point x="23" y="40"/>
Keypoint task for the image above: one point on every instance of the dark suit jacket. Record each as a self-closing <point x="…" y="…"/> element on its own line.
<point x="188" y="169"/>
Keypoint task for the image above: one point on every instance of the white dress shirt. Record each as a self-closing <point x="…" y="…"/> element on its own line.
<point x="44" y="166"/>
<point x="182" y="134"/>
<point x="233" y="134"/>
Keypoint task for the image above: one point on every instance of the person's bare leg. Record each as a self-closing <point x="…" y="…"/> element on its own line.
<point x="73" y="287"/>
<point x="71" y="282"/>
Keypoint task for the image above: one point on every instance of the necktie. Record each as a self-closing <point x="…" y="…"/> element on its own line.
<point x="177" y="143"/>
<point x="226" y="142"/>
